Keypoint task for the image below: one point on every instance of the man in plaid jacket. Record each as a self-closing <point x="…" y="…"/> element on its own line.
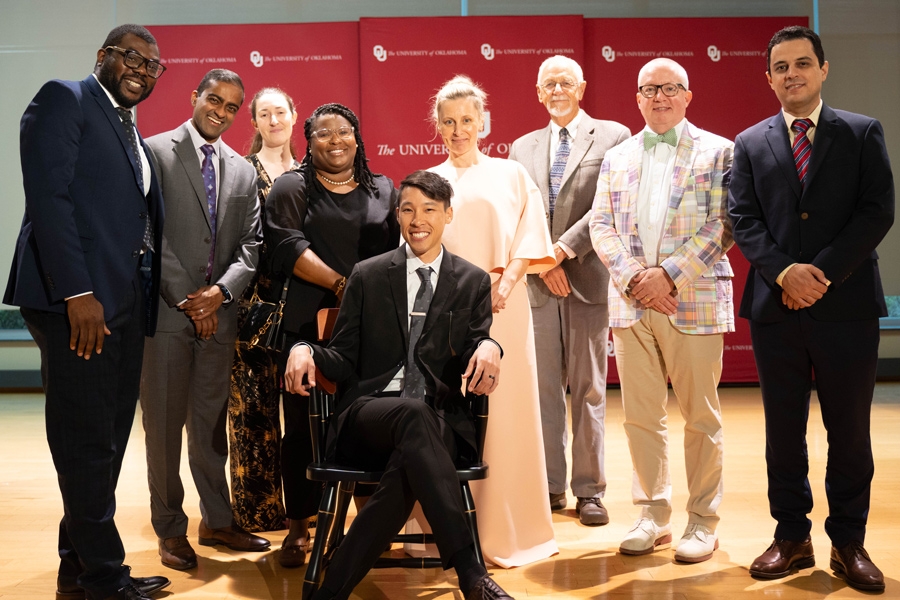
<point x="659" y="225"/>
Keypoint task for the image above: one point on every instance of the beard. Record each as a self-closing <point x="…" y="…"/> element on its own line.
<point x="113" y="84"/>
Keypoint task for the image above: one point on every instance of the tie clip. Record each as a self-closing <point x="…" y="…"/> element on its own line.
<point x="417" y="314"/>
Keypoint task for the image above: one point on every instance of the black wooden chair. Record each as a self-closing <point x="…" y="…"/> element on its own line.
<point x="340" y="480"/>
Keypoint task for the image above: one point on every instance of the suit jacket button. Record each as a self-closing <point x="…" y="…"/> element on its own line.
<point x="143" y="215"/>
<point x="804" y="216"/>
<point x="207" y="239"/>
<point x="136" y="253"/>
<point x="201" y="269"/>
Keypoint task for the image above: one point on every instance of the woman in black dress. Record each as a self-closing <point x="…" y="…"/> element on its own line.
<point x="254" y="426"/>
<point x="321" y="220"/>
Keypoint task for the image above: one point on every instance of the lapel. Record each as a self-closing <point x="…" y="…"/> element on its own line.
<point x="397" y="280"/>
<point x="684" y="159"/>
<point x="634" y="163"/>
<point x="113" y="117"/>
<point x="227" y="175"/>
<point x="541" y="163"/>
<point x="780" y="143"/>
<point x="582" y="140"/>
<point x="826" y="129"/>
<point x="187" y="154"/>
<point x="446" y="284"/>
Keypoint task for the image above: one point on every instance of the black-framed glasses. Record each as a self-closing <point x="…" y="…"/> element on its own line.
<point x="134" y="60"/>
<point x="345" y="132"/>
<point x="668" y="89"/>
<point x="567" y="85"/>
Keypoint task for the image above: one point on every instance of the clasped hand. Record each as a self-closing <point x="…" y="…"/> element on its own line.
<point x="802" y="286"/>
<point x="201" y="308"/>
<point x="654" y="289"/>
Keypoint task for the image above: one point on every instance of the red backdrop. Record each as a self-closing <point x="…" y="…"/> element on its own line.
<point x="387" y="70"/>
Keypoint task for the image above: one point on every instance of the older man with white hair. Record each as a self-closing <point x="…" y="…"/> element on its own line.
<point x="659" y="225"/>
<point x="568" y="302"/>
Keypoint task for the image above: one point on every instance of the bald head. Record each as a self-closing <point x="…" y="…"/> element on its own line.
<point x="664" y="63"/>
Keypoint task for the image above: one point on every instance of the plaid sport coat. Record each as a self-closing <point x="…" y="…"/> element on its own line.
<point x="697" y="231"/>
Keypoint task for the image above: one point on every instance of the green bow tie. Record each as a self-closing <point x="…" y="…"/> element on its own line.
<point x="652" y="139"/>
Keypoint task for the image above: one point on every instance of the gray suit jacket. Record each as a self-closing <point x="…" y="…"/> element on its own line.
<point x="588" y="277"/>
<point x="186" y="236"/>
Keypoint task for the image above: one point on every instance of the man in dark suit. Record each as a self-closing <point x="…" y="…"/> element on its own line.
<point x="564" y="160"/>
<point x="209" y="251"/>
<point x="811" y="196"/>
<point x="85" y="274"/>
<point x="400" y="408"/>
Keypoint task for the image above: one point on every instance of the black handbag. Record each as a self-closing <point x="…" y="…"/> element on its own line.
<point x="263" y="322"/>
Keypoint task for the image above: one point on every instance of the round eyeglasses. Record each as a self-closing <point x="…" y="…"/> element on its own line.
<point x="668" y="89"/>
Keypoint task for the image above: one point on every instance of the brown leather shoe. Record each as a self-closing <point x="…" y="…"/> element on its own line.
<point x="853" y="565"/>
<point x="176" y="553"/>
<point x="782" y="558"/>
<point x="293" y="555"/>
<point x="591" y="512"/>
<point x="232" y="537"/>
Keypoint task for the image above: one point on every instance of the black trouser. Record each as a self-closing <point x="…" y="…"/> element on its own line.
<point x="89" y="414"/>
<point x="405" y="438"/>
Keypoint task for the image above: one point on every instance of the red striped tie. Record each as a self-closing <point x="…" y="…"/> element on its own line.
<point x="802" y="148"/>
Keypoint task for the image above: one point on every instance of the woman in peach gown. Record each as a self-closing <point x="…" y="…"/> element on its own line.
<point x="499" y="225"/>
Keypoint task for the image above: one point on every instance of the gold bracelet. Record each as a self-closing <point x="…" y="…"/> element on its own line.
<point x="339" y="286"/>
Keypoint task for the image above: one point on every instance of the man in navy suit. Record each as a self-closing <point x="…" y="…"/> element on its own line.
<point x="85" y="274"/>
<point x="401" y="409"/>
<point x="811" y="196"/>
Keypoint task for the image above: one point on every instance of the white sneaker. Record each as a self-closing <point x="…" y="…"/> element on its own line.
<point x="645" y="536"/>
<point x="697" y="544"/>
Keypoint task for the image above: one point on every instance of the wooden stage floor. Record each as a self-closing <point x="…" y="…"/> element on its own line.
<point x="587" y="565"/>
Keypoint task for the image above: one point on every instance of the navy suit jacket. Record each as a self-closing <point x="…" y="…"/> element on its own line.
<point x="369" y="343"/>
<point x="85" y="210"/>
<point x="834" y="223"/>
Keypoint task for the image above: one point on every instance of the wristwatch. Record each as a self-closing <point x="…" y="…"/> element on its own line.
<point x="225" y="294"/>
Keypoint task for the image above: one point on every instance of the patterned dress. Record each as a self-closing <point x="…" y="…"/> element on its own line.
<point x="254" y="426"/>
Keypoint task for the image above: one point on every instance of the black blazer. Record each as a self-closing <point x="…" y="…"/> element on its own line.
<point x="843" y="213"/>
<point x="369" y="343"/>
<point x="85" y="210"/>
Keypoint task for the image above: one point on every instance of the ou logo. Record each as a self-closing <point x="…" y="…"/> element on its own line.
<point x="487" y="52"/>
<point x="714" y="54"/>
<point x="257" y="59"/>
<point x="608" y="53"/>
<point x="380" y="53"/>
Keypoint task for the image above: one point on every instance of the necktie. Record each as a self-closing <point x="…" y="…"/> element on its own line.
<point x="128" y="126"/>
<point x="209" y="183"/>
<point x="413" y="380"/>
<point x="652" y="139"/>
<point x="802" y="148"/>
<point x="558" y="168"/>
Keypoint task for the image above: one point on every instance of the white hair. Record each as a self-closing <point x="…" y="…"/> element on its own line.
<point x="668" y="63"/>
<point x="559" y="60"/>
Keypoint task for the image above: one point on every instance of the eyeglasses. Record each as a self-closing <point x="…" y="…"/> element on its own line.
<point x="668" y="89"/>
<point x="567" y="85"/>
<point x="324" y="135"/>
<point x="134" y="60"/>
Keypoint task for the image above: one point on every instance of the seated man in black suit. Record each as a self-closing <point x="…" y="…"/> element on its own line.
<point x="396" y="403"/>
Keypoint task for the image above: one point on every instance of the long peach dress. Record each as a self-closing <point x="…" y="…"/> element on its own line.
<point x="498" y="215"/>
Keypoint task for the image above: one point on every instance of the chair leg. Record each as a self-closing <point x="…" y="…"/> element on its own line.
<point x="469" y="507"/>
<point x="345" y="495"/>
<point x="324" y="523"/>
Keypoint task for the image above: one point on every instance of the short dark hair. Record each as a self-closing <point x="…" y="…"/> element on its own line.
<point x="222" y="76"/>
<point x="795" y="32"/>
<point x="431" y="184"/>
<point x="114" y="37"/>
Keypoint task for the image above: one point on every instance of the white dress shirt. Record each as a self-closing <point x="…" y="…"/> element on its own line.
<point x="657" y="167"/>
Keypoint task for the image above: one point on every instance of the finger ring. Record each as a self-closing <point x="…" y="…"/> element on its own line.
<point x="201" y="311"/>
<point x="491" y="377"/>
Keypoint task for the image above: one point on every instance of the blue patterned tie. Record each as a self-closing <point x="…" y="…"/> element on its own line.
<point x="209" y="184"/>
<point x="558" y="168"/>
<point x="131" y="135"/>
<point x="413" y="380"/>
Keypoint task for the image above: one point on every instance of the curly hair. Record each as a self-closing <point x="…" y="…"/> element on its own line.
<point x="361" y="173"/>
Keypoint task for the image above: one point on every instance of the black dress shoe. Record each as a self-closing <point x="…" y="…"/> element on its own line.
<point x="487" y="589"/>
<point x="557" y="501"/>
<point x="782" y="558"/>
<point x="129" y="592"/>
<point x="853" y="565"/>
<point x="67" y="588"/>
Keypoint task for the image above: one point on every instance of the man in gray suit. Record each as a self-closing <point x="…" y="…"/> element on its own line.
<point x="209" y="252"/>
<point x="568" y="302"/>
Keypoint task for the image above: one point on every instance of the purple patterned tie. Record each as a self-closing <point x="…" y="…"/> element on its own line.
<point x="802" y="148"/>
<point x="209" y="184"/>
<point x="558" y="168"/>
